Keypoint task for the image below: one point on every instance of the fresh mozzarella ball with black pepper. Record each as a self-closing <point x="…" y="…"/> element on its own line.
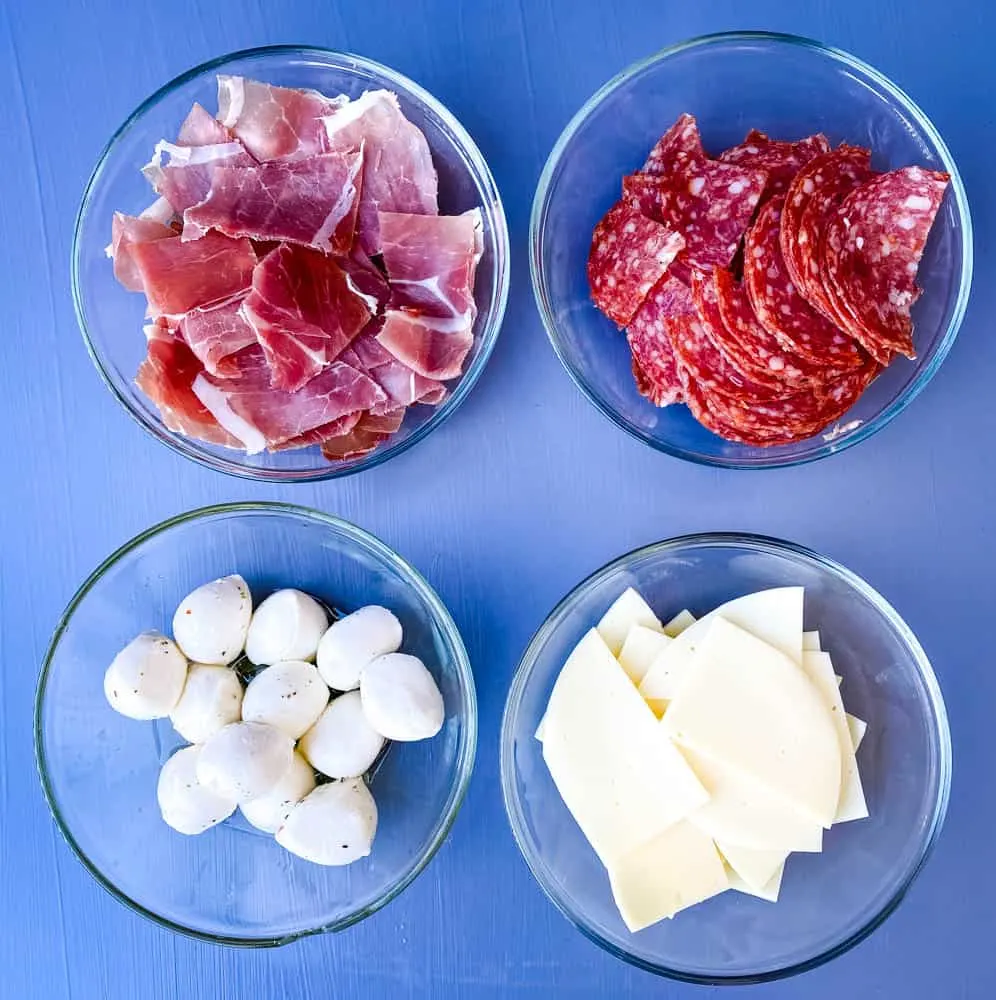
<point x="352" y="642"/>
<point x="245" y="760"/>
<point x="211" y="623"/>
<point x="334" y="825"/>
<point x="288" y="625"/>
<point x="342" y="743"/>
<point x="400" y="698"/>
<point x="212" y="698"/>
<point x="185" y="804"/>
<point x="145" y="680"/>
<point x="268" y="812"/>
<point x="289" y="695"/>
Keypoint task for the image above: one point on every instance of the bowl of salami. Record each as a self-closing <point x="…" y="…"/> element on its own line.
<point x="751" y="250"/>
<point x="316" y="254"/>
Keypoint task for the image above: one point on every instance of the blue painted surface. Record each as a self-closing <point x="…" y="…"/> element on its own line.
<point x="523" y="492"/>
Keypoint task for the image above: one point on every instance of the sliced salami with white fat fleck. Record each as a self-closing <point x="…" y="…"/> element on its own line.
<point x="655" y="367"/>
<point x="781" y="160"/>
<point x="679" y="145"/>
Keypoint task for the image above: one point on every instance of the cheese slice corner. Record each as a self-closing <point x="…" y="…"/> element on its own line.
<point x="768" y="892"/>
<point x="682" y="620"/>
<point x="628" y="609"/>
<point x="640" y="649"/>
<point x="756" y="868"/>
<point x="811" y="640"/>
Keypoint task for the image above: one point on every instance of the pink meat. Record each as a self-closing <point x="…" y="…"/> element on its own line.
<point x="182" y="174"/>
<point x="319" y="434"/>
<point x="432" y="347"/>
<point x="304" y="313"/>
<point x="369" y="432"/>
<point x="401" y="384"/>
<point x="126" y="231"/>
<point x="366" y="278"/>
<point x="179" y="276"/>
<point x="274" y="122"/>
<point x="216" y="333"/>
<point x="200" y="128"/>
<point x="312" y="202"/>
<point x="431" y="261"/>
<point x="398" y="175"/>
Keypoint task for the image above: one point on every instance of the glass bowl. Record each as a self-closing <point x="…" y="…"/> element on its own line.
<point x="111" y="318"/>
<point x="830" y="901"/>
<point x="234" y="884"/>
<point x="788" y="87"/>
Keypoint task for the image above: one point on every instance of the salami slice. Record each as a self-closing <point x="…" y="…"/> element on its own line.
<point x="779" y="159"/>
<point x="629" y="255"/>
<point x="779" y="306"/>
<point x="655" y="367"/>
<point x="679" y="145"/>
<point x="871" y="253"/>
<point x="819" y="187"/>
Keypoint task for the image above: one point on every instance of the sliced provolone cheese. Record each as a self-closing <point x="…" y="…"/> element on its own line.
<point x="811" y="640"/>
<point x="819" y="669"/>
<point x="629" y="609"/>
<point x="614" y="766"/>
<point x="768" y="892"/>
<point x="773" y="616"/>
<point x="540" y="728"/>
<point x="640" y="650"/>
<point x="679" y="623"/>
<point x="748" y="705"/>
<point x="756" y="868"/>
<point x="857" y="728"/>
<point x="677" y="868"/>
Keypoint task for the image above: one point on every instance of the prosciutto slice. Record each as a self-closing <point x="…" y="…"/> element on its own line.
<point x="398" y="175"/>
<point x="369" y="432"/>
<point x="312" y="202"/>
<point x="201" y="128"/>
<point x="182" y="174"/>
<point x="401" y="384"/>
<point x="430" y="346"/>
<point x="274" y="122"/>
<point x="216" y="333"/>
<point x="304" y="312"/>
<point x="126" y="232"/>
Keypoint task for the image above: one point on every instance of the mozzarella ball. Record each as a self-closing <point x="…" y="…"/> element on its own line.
<point x="352" y="642"/>
<point x="212" y="698"/>
<point x="211" y="622"/>
<point x="400" y="698"/>
<point x="289" y="695"/>
<point x="245" y="760"/>
<point x="186" y="805"/>
<point x="342" y="743"/>
<point x="145" y="680"/>
<point x="288" y="625"/>
<point x="334" y="825"/>
<point x="268" y="812"/>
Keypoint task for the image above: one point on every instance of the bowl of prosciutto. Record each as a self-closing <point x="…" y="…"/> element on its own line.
<point x="751" y="250"/>
<point x="290" y="264"/>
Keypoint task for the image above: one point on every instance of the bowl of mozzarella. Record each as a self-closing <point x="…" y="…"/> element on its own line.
<point x="255" y="722"/>
<point x="725" y="758"/>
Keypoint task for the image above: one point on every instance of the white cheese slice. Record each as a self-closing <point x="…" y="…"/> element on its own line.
<point x="768" y="892"/>
<point x="756" y="868"/>
<point x="679" y="623"/>
<point x="640" y="650"/>
<point x="857" y="728"/>
<point x="811" y="640"/>
<point x="677" y="868"/>
<point x="541" y="728"/>
<point x="851" y="805"/>
<point x="748" y="705"/>
<point x="743" y="812"/>
<point x="773" y="616"/>
<point x="618" y="773"/>
<point x="627" y="610"/>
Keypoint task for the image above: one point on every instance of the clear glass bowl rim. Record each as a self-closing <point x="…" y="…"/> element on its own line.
<point x="541" y="203"/>
<point x="771" y="546"/>
<point x="488" y="336"/>
<point x="468" y="740"/>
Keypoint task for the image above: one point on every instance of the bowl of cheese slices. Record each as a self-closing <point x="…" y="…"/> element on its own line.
<point x="725" y="758"/>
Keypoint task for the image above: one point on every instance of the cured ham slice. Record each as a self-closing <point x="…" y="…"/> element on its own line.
<point x="304" y="313"/>
<point x="398" y="175"/>
<point x="432" y="347"/>
<point x="126" y="232"/>
<point x="201" y="128"/>
<point x="182" y="174"/>
<point x="369" y="432"/>
<point x="312" y="202"/>
<point x="216" y="333"/>
<point x="401" y="384"/>
<point x="319" y="434"/>
<point x="274" y="122"/>
<point x="178" y="276"/>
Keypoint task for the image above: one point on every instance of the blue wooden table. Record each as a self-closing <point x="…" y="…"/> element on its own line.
<point x="505" y="508"/>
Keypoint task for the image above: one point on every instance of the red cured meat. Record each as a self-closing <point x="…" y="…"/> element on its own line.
<point x="317" y="435"/>
<point x="304" y="313"/>
<point x="401" y="384"/>
<point x="398" y="175"/>
<point x="179" y="276"/>
<point x="201" y="128"/>
<point x="274" y="122"/>
<point x="126" y="231"/>
<point x="779" y="159"/>
<point x="370" y="432"/>
<point x="312" y="202"/>
<point x="655" y="367"/>
<point x="215" y="333"/>
<point x="780" y="307"/>
<point x="871" y="254"/>
<point x="166" y="376"/>
<point x="812" y="198"/>
<point x="432" y="347"/>
<point x="367" y="279"/>
<point x="431" y="261"/>
<point x="679" y="145"/>
<point x="629" y="255"/>
<point x="182" y="174"/>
